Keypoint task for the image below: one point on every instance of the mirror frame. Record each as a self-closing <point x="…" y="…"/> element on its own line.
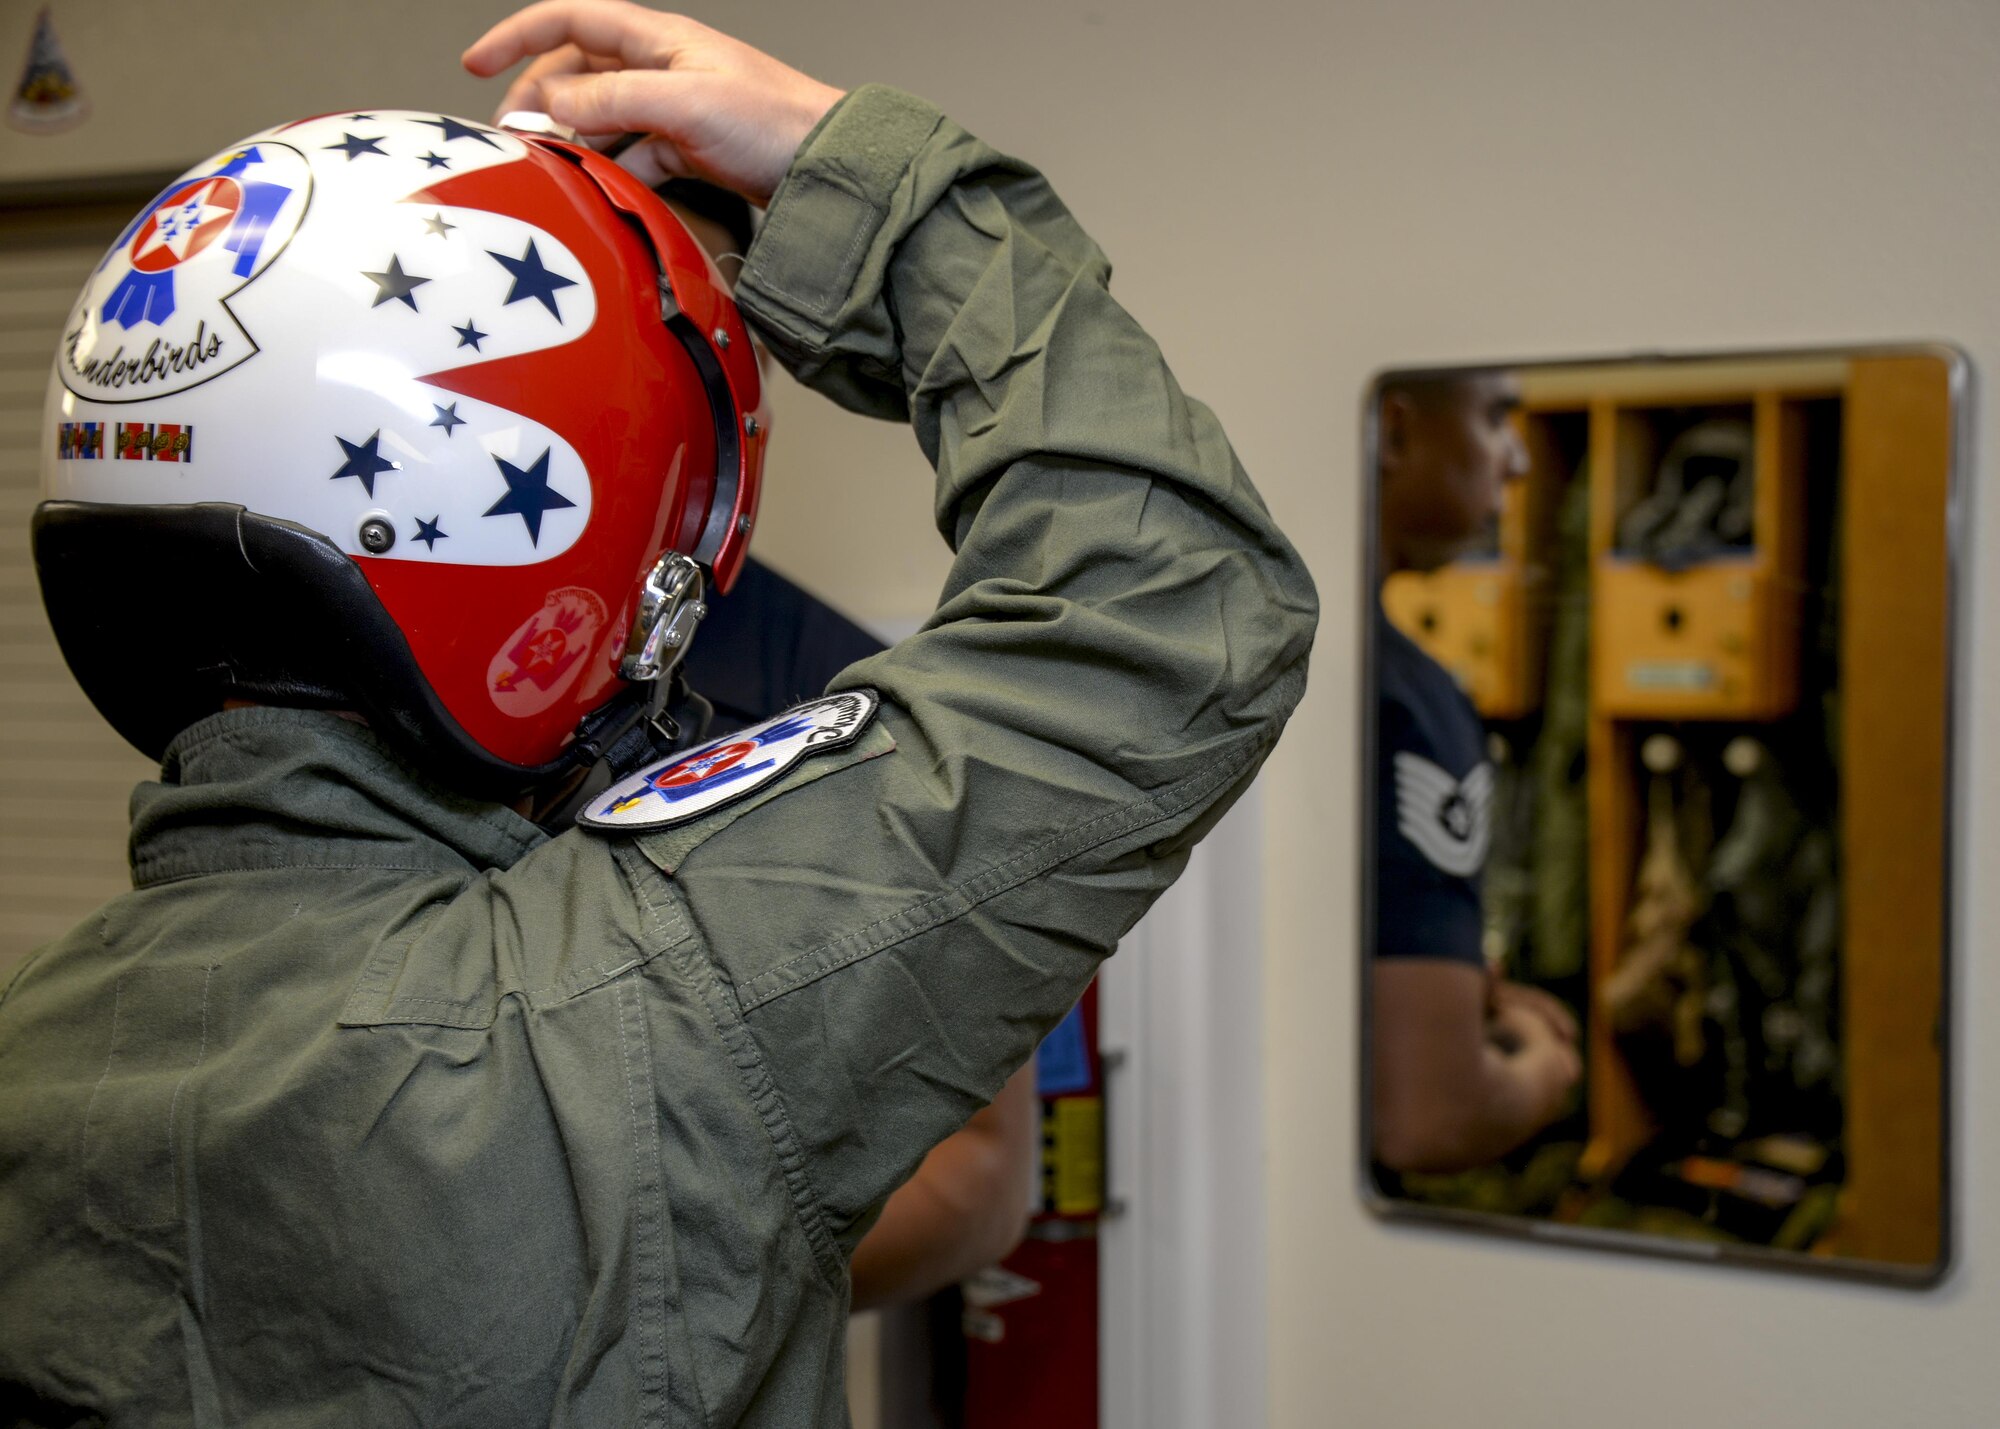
<point x="1385" y="1208"/>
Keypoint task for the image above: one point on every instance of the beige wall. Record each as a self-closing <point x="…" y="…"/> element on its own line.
<point x="1296" y="194"/>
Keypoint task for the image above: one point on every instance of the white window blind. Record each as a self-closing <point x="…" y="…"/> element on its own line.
<point x="65" y="777"/>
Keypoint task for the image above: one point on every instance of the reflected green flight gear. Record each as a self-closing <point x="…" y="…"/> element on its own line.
<point x="372" y="1105"/>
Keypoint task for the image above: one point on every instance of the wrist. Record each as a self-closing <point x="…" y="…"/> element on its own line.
<point x="825" y="212"/>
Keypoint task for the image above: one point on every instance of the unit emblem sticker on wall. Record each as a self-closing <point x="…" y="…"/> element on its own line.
<point x="155" y="318"/>
<point x="723" y="770"/>
<point x="48" y="99"/>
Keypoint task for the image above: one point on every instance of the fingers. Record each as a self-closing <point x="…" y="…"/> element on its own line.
<point x="1540" y="1039"/>
<point x="1549" y="1008"/>
<point x="715" y="107"/>
<point x="1572" y="1066"/>
<point x="1557" y="1014"/>
<point x="1513" y="1027"/>
<point x="619" y="102"/>
<point x="615" y="102"/>
<point x="1521" y="1030"/>
<point x="526" y="90"/>
<point x="628" y="33"/>
<point x="653" y="161"/>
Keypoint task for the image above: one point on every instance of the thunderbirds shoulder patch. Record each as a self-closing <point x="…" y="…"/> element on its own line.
<point x="1447" y="820"/>
<point x="724" y="770"/>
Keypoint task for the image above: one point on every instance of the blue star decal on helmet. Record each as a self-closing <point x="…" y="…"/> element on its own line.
<point x="359" y="118"/>
<point x="354" y="146"/>
<point x="429" y="534"/>
<point x="364" y="460"/>
<point x="532" y="280"/>
<point x="470" y="336"/>
<point x="434" y="160"/>
<point x="447" y="417"/>
<point x="528" y="495"/>
<point x="455" y="129"/>
<point x="395" y="284"/>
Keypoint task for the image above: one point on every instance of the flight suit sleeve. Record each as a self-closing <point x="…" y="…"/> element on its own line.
<point x="1122" y="635"/>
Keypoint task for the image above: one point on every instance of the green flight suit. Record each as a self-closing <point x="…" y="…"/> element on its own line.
<point x="371" y="1105"/>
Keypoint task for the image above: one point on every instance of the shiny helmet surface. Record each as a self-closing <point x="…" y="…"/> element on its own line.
<point x="400" y="413"/>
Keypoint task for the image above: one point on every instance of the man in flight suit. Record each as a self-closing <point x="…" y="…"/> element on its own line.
<point x="1464" y="1067"/>
<point x="375" y="1104"/>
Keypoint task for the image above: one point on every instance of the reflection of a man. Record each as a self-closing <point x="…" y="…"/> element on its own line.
<point x="1466" y="1066"/>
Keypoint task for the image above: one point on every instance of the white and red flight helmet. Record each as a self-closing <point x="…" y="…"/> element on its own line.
<point x="445" y="423"/>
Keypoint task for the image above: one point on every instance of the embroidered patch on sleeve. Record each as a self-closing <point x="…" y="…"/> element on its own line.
<point x="1447" y="820"/>
<point x="698" y="780"/>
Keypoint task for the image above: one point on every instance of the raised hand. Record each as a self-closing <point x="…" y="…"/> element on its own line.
<point x="711" y="107"/>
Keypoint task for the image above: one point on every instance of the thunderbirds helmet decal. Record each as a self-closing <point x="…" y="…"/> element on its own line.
<point x="411" y="268"/>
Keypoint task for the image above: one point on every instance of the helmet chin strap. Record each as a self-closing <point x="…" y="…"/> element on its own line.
<point x="672" y="718"/>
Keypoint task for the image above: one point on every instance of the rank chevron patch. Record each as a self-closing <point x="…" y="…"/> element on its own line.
<point x="1448" y="820"/>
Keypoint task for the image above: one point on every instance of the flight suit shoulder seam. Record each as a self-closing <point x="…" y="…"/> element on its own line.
<point x="665" y="927"/>
<point x="693" y="965"/>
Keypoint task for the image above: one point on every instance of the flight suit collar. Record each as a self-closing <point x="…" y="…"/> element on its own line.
<point x="270" y="788"/>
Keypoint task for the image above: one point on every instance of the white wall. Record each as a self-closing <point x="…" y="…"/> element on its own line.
<point x="1299" y="193"/>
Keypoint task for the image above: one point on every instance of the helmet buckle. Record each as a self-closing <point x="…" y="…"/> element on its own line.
<point x="670" y="607"/>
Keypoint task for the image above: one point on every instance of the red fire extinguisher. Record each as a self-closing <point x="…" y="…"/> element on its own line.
<point x="1031" y="1321"/>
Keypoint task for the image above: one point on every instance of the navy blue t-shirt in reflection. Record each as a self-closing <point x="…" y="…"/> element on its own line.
<point x="1433" y="807"/>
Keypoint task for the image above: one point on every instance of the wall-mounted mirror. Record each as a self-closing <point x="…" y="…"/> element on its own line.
<point x="1657" y="844"/>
